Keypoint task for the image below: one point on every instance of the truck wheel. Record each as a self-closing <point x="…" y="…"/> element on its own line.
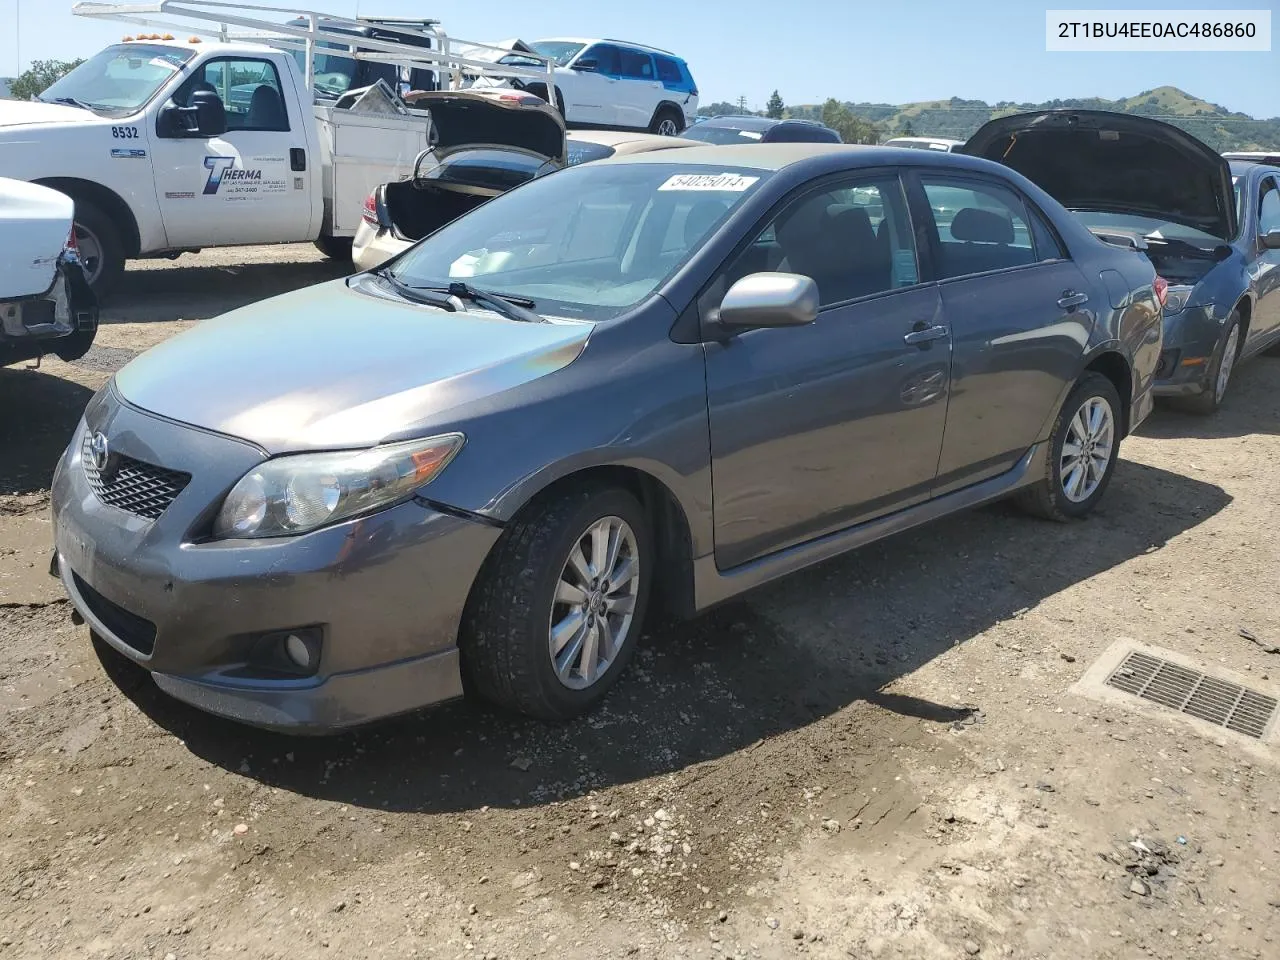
<point x="559" y="605"/>
<point x="335" y="248"/>
<point x="667" y="122"/>
<point x="101" y="250"/>
<point x="1083" y="449"/>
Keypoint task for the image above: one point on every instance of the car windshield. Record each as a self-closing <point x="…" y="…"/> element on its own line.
<point x="722" y="134"/>
<point x="561" y="51"/>
<point x="1148" y="227"/>
<point x="586" y="243"/>
<point x="119" y="80"/>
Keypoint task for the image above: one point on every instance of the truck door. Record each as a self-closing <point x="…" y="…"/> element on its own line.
<point x="254" y="183"/>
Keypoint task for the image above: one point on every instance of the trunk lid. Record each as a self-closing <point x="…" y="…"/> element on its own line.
<point x="497" y="117"/>
<point x="1095" y="160"/>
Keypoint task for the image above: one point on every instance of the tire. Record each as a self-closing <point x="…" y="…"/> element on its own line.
<point x="507" y="638"/>
<point x="336" y="248"/>
<point x="1049" y="497"/>
<point x="667" y="121"/>
<point x="101" y="249"/>
<point x="540" y="90"/>
<point x="1216" y="383"/>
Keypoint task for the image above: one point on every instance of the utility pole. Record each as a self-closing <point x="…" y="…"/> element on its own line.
<point x="742" y="104"/>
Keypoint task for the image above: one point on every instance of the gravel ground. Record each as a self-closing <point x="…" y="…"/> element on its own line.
<point x="879" y="758"/>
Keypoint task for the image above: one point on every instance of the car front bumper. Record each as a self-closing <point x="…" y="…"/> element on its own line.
<point x="1190" y="338"/>
<point x="384" y="593"/>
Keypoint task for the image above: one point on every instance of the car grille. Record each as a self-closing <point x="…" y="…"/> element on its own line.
<point x="142" y="489"/>
<point x="127" y="627"/>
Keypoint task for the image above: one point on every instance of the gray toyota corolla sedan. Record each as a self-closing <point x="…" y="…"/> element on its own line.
<point x="661" y="379"/>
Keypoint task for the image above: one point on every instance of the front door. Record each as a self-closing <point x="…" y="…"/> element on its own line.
<point x="591" y="99"/>
<point x="251" y="185"/>
<point x="819" y="427"/>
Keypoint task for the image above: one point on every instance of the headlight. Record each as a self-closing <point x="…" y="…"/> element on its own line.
<point x="1176" y="300"/>
<point x="300" y="492"/>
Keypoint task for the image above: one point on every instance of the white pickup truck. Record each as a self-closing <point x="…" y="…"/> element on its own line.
<point x="170" y="143"/>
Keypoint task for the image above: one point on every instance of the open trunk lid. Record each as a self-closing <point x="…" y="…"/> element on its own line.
<point x="1094" y="160"/>
<point x="499" y="118"/>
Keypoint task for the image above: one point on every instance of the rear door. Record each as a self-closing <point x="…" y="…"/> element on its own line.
<point x="639" y="90"/>
<point x="1020" y="315"/>
<point x="252" y="184"/>
<point x="816" y="428"/>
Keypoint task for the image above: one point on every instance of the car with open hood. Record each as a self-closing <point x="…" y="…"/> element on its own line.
<point x="1210" y="226"/>
<point x="648" y="381"/>
<point x="491" y="143"/>
<point x="46" y="306"/>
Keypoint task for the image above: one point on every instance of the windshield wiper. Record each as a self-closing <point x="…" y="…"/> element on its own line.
<point x="72" y="102"/>
<point x="513" y="308"/>
<point x="1190" y="250"/>
<point x="423" y="295"/>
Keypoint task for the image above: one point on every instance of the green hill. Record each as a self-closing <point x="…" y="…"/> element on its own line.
<point x="958" y="119"/>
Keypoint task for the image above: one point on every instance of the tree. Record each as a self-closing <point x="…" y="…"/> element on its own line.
<point x="775" y="106"/>
<point x="40" y="77"/>
<point x="852" y="128"/>
<point x="908" y="130"/>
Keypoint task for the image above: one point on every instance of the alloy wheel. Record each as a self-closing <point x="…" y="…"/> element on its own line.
<point x="1228" y="363"/>
<point x="667" y="128"/>
<point x="595" y="603"/>
<point x="90" y="251"/>
<point x="1086" y="450"/>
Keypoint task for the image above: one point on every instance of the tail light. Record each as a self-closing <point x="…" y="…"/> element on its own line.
<point x="370" y="214"/>
<point x="72" y="246"/>
<point x="1161" y="288"/>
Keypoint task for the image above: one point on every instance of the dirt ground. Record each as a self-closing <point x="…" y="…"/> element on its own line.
<point x="882" y="758"/>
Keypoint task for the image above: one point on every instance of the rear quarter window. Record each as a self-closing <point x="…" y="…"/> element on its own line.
<point x="670" y="74"/>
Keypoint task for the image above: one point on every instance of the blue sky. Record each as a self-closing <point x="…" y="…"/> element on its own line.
<point x="892" y="52"/>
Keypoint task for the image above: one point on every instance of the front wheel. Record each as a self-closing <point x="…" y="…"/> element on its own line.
<point x="559" y="606"/>
<point x="1221" y="366"/>
<point x="1083" y="449"/>
<point x="100" y="248"/>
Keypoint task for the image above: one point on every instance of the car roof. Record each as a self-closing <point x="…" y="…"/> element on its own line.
<point x="1240" y="167"/>
<point x="621" y="43"/>
<point x="773" y="157"/>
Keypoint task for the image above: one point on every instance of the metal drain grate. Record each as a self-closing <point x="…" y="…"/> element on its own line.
<point x="1194" y="693"/>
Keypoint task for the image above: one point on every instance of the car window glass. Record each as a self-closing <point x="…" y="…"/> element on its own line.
<point x="606" y="57"/>
<point x="583" y="151"/>
<point x="669" y="71"/>
<point x="981" y="226"/>
<point x="635" y="64"/>
<point x="1269" y="207"/>
<point x="852" y="241"/>
<point x="249" y="90"/>
<point x="1047" y="245"/>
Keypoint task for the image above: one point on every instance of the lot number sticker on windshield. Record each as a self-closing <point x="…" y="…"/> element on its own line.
<point x="731" y="182"/>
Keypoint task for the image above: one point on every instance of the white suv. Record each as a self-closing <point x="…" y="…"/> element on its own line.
<point x="608" y="84"/>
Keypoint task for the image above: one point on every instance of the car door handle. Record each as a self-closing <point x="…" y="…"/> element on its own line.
<point x="923" y="334"/>
<point x="1071" y="299"/>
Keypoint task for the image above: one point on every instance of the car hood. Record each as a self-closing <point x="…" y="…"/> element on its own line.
<point x="1114" y="162"/>
<point x="466" y="118"/>
<point x="15" y="113"/>
<point x="340" y="365"/>
<point x="35" y="224"/>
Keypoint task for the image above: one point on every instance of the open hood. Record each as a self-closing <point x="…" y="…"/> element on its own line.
<point x="1116" y="163"/>
<point x="497" y="117"/>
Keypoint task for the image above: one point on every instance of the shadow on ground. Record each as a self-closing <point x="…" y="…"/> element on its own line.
<point x="791" y="654"/>
<point x="40" y="414"/>
<point x="1251" y="406"/>
<point x="199" y="292"/>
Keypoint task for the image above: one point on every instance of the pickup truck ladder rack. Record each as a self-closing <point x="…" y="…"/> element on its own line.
<point x="196" y="15"/>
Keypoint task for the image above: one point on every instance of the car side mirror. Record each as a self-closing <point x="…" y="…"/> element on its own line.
<point x="205" y="117"/>
<point x="588" y="64"/>
<point x="1271" y="239"/>
<point x="770" y="300"/>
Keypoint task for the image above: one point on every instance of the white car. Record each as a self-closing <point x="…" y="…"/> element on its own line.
<point x="941" y="144"/>
<point x="45" y="302"/>
<point x="610" y="84"/>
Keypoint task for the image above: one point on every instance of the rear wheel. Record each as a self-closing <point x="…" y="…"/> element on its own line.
<point x="335" y="248"/>
<point x="1083" y="449"/>
<point x="667" y="122"/>
<point x="1221" y="366"/>
<point x="558" y="609"/>
<point x="101" y="249"/>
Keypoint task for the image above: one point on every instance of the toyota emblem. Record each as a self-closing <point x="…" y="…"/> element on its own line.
<point x="99" y="452"/>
